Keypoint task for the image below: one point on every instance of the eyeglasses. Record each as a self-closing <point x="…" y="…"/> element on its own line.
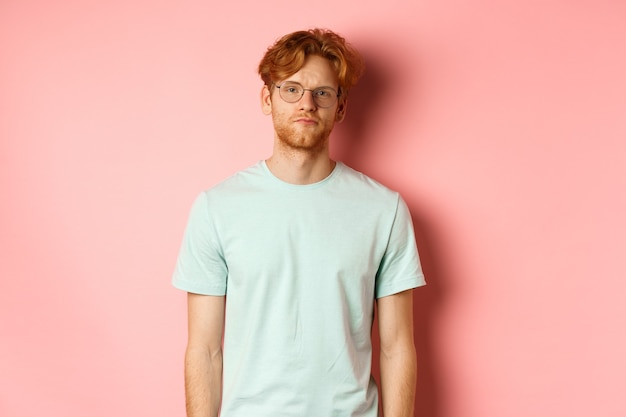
<point x="292" y="92"/>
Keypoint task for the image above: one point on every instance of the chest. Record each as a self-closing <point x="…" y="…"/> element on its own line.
<point x="328" y="241"/>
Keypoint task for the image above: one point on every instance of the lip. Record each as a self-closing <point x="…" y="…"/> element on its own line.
<point x="306" y="120"/>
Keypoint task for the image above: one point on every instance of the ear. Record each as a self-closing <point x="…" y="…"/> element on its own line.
<point x="266" y="100"/>
<point x="341" y="110"/>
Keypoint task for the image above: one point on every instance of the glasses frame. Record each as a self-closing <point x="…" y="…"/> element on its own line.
<point x="337" y="94"/>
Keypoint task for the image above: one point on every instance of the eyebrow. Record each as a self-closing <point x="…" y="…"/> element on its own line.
<point x="314" y="88"/>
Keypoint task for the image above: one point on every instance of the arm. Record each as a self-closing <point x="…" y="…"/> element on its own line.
<point x="397" y="354"/>
<point x="203" y="358"/>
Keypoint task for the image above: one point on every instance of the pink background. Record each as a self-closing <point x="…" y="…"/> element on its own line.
<point x="502" y="123"/>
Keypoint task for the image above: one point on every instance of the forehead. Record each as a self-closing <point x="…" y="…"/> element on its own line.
<point x="316" y="71"/>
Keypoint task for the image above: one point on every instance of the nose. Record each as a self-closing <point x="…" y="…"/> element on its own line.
<point x="307" y="102"/>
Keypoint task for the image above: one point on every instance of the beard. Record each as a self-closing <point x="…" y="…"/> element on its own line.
<point x="302" y="138"/>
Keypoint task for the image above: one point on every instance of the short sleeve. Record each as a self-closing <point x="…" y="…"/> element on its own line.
<point x="200" y="267"/>
<point x="400" y="267"/>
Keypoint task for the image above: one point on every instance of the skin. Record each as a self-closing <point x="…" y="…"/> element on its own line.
<point x="203" y="357"/>
<point x="301" y="156"/>
<point x="398" y="363"/>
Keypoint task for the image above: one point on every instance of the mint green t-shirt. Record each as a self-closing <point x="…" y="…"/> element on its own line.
<point x="301" y="267"/>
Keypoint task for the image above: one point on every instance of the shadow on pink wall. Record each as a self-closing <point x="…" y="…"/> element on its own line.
<point x="378" y="90"/>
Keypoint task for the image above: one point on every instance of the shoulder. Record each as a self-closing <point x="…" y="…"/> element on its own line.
<point x="252" y="176"/>
<point x="365" y="186"/>
<point x="227" y="193"/>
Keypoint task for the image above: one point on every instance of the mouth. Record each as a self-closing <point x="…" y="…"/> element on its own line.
<point x="306" y="120"/>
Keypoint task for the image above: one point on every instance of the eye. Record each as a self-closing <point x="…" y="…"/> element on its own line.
<point x="323" y="93"/>
<point x="292" y="89"/>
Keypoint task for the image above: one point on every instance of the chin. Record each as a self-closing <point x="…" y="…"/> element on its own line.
<point x="303" y="142"/>
<point x="304" y="145"/>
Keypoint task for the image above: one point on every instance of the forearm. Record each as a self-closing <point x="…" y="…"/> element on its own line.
<point x="203" y="382"/>
<point x="398" y="373"/>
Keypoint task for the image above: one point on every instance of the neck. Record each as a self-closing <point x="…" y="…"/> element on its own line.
<point x="300" y="166"/>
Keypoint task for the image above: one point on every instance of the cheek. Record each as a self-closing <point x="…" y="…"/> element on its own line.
<point x="331" y="118"/>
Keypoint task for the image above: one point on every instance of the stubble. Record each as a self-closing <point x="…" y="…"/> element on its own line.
<point x="302" y="138"/>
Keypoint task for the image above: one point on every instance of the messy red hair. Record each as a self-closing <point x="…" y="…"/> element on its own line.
<point x="289" y="53"/>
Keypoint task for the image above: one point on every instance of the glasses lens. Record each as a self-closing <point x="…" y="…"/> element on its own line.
<point x="291" y="92"/>
<point x="324" y="97"/>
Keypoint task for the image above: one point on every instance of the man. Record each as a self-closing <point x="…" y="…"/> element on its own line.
<point x="286" y="258"/>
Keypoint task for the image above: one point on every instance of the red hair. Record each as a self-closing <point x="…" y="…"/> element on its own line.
<point x="289" y="53"/>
